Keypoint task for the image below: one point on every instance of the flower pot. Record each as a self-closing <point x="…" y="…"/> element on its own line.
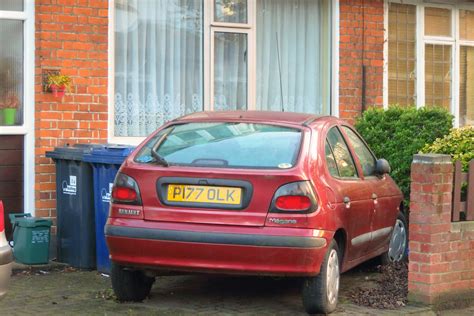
<point x="58" y="91"/>
<point x="9" y="116"/>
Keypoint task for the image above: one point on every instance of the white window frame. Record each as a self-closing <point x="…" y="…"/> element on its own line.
<point x="211" y="26"/>
<point x="27" y="128"/>
<point x="421" y="40"/>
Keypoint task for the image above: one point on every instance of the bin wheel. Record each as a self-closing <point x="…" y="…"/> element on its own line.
<point x="130" y="285"/>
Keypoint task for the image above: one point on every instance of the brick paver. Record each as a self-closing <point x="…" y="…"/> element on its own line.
<point x="89" y="293"/>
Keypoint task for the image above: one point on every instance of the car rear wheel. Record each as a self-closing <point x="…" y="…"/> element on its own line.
<point x="320" y="293"/>
<point x="398" y="242"/>
<point x="130" y="285"/>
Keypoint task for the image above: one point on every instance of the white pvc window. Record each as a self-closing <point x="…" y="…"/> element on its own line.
<point x="171" y="58"/>
<point x="443" y="61"/>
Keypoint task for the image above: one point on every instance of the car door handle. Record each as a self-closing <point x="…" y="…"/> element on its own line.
<point x="347" y="201"/>
<point x="374" y="197"/>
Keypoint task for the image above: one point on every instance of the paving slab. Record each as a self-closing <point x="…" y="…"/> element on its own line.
<point x="65" y="291"/>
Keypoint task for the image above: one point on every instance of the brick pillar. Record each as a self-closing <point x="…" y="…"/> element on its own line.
<point x="430" y="226"/>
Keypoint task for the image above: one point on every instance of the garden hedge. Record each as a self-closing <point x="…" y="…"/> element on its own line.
<point x="398" y="133"/>
<point x="459" y="143"/>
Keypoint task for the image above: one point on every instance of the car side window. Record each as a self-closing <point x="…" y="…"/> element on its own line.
<point x="344" y="162"/>
<point x="331" y="161"/>
<point x="366" y="158"/>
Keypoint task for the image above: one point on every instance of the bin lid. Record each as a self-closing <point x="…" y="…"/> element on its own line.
<point x="74" y="152"/>
<point x="110" y="154"/>
<point x="33" y="222"/>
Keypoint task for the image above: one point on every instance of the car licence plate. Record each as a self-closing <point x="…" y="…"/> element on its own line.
<point x="204" y="194"/>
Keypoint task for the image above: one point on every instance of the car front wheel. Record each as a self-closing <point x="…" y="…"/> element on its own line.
<point x="130" y="285"/>
<point x="397" y="248"/>
<point x="320" y="293"/>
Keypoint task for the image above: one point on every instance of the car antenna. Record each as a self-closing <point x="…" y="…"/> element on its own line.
<point x="279" y="73"/>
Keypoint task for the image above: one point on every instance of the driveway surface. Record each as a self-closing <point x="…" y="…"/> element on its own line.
<point x="70" y="292"/>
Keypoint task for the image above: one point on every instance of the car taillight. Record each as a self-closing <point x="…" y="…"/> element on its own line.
<point x="125" y="190"/>
<point x="293" y="203"/>
<point x="2" y="218"/>
<point x="295" y="197"/>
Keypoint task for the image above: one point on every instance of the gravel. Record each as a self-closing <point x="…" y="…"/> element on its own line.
<point x="390" y="292"/>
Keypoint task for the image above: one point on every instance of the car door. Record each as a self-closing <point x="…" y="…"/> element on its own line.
<point x="382" y="193"/>
<point x="352" y="193"/>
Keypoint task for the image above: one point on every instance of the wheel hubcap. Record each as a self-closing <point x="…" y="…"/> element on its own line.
<point x="398" y="242"/>
<point x="332" y="281"/>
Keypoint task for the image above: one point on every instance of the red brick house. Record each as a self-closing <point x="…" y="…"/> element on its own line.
<point x="135" y="64"/>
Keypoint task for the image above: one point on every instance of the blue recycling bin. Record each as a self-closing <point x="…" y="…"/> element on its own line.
<point x="75" y="209"/>
<point x="105" y="162"/>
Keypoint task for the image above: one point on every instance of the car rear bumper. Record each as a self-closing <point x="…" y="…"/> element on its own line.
<point x="6" y="259"/>
<point x="216" y="249"/>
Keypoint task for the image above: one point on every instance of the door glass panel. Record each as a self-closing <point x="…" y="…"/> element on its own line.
<point x="466" y="25"/>
<point x="11" y="72"/>
<point x="438" y="75"/>
<point x="230" y="11"/>
<point x="11" y="5"/>
<point x="230" y="71"/>
<point x="343" y="157"/>
<point x="466" y="86"/>
<point x="437" y="22"/>
<point x="330" y="161"/>
<point x="366" y="159"/>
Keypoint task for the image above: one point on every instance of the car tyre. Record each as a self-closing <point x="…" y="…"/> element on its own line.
<point x="130" y="285"/>
<point x="320" y="293"/>
<point x="397" y="251"/>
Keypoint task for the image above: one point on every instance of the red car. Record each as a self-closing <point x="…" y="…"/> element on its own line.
<point x="253" y="193"/>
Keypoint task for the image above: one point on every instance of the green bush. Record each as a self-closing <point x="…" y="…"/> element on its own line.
<point x="459" y="143"/>
<point x="398" y="133"/>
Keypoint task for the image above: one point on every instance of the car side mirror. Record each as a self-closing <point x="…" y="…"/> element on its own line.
<point x="382" y="167"/>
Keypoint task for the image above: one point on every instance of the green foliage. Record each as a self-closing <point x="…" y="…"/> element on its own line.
<point x="398" y="133"/>
<point x="459" y="143"/>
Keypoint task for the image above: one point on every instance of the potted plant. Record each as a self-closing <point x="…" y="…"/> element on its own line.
<point x="59" y="84"/>
<point x="10" y="106"/>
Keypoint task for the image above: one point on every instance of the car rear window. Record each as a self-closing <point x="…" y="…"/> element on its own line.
<point x="224" y="144"/>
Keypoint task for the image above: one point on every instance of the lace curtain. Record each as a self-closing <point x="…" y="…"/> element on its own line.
<point x="158" y="63"/>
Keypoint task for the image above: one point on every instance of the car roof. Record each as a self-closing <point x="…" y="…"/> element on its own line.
<point x="258" y="116"/>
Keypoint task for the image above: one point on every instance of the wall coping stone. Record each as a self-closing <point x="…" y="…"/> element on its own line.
<point x="432" y="159"/>
<point x="462" y="227"/>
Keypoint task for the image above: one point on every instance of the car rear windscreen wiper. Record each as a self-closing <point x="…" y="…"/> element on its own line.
<point x="154" y="150"/>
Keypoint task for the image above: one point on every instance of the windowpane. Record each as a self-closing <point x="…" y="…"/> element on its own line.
<point x="230" y="11"/>
<point x="466" y="86"/>
<point x="343" y="157"/>
<point x="366" y="159"/>
<point x="11" y="5"/>
<point x="11" y="72"/>
<point x="158" y="63"/>
<point x="293" y="55"/>
<point x="466" y="25"/>
<point x="438" y="75"/>
<point x="437" y="22"/>
<point x="401" y="54"/>
<point x="230" y="71"/>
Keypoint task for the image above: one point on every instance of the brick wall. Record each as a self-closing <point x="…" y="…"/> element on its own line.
<point x="70" y="37"/>
<point x="441" y="253"/>
<point x="361" y="44"/>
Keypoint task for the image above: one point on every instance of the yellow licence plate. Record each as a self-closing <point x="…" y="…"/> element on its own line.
<point x="204" y="194"/>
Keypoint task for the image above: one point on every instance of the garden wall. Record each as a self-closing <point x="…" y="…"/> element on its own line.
<point x="441" y="268"/>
